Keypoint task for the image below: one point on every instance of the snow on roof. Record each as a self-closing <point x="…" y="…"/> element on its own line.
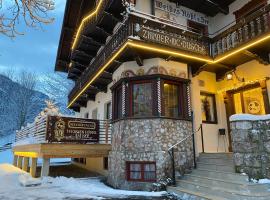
<point x="248" y="117"/>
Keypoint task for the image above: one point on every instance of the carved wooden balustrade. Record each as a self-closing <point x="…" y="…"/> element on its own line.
<point x="245" y="29"/>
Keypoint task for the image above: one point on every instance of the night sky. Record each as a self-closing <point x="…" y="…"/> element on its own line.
<point x="36" y="50"/>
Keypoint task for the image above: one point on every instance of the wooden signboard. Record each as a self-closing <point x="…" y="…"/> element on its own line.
<point x="179" y="42"/>
<point x="67" y="129"/>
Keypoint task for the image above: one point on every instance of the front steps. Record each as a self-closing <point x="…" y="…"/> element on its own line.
<point x="215" y="179"/>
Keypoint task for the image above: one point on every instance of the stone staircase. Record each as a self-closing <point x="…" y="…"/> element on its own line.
<point x="215" y="179"/>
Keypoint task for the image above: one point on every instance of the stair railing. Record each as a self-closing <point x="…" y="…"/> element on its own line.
<point x="171" y="149"/>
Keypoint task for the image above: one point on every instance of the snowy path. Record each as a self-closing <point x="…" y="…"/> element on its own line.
<point x="57" y="188"/>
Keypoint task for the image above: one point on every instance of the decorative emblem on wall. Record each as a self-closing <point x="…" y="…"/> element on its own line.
<point x="254" y="107"/>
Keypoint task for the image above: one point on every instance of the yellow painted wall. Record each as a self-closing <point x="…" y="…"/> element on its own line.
<point x="210" y="130"/>
<point x="250" y="71"/>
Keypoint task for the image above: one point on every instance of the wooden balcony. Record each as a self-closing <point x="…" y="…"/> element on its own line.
<point x="220" y="52"/>
<point x="64" y="130"/>
<point x="64" y="137"/>
<point x="60" y="137"/>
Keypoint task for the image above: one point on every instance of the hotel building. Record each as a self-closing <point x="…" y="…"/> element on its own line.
<point x="161" y="70"/>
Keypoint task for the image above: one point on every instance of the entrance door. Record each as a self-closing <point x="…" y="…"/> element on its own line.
<point x="249" y="100"/>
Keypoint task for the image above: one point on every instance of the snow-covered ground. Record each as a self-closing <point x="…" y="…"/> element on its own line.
<point x="14" y="185"/>
<point x="6" y="157"/>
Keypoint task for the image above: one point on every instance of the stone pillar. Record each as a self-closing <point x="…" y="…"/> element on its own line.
<point x="20" y="159"/>
<point x="25" y="164"/>
<point x="15" y="160"/>
<point x="33" y="167"/>
<point x="45" y="167"/>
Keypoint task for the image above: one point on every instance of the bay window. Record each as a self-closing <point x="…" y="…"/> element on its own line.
<point x="144" y="98"/>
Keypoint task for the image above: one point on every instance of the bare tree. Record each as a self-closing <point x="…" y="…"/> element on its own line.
<point x="32" y="12"/>
<point x="25" y="96"/>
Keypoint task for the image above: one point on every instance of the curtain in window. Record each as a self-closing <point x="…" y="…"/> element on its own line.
<point x="142" y="99"/>
<point x="135" y="171"/>
<point x="149" y="172"/>
<point x="171" y="100"/>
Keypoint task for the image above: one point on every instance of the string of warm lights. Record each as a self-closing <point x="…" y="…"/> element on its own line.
<point x="84" y="20"/>
<point x="241" y="84"/>
<point x="26" y="154"/>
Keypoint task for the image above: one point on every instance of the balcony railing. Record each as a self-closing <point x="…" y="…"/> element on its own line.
<point x="47" y="130"/>
<point x="129" y="29"/>
<point x="247" y="29"/>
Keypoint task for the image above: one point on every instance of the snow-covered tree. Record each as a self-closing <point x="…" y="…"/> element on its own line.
<point x="32" y="12"/>
<point x="57" y="87"/>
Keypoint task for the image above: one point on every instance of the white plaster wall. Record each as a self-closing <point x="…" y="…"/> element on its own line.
<point x="99" y="104"/>
<point x="147" y="64"/>
<point x="221" y="20"/>
<point x="216" y="23"/>
<point x="144" y="6"/>
<point x="251" y="71"/>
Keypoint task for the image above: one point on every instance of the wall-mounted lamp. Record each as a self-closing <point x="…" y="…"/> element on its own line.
<point x="231" y="74"/>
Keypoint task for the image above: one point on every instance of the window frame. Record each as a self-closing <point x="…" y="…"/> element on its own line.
<point x="116" y="112"/>
<point x="142" y="164"/>
<point x="181" y="96"/>
<point x="130" y="99"/>
<point x="108" y="110"/>
<point x="212" y="95"/>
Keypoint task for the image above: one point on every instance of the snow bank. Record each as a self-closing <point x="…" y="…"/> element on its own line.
<point x="12" y="180"/>
<point x="261" y="181"/>
<point x="248" y="117"/>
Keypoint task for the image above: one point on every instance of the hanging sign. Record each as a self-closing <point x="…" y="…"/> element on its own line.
<point x="67" y="129"/>
<point x="179" y="42"/>
<point x="174" y="12"/>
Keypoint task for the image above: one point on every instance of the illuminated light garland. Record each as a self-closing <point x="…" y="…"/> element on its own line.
<point x="83" y="23"/>
<point x="98" y="74"/>
<point x="26" y="154"/>
<point x="161" y="50"/>
<point x="242" y="48"/>
<point x="165" y="51"/>
<point x="241" y="84"/>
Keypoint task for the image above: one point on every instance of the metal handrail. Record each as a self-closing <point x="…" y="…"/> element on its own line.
<point x="176" y="144"/>
<point x="171" y="149"/>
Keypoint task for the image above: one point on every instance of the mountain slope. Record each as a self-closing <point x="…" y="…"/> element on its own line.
<point x="11" y="95"/>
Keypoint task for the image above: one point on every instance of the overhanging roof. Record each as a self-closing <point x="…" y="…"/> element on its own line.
<point x="74" y="13"/>
<point x="208" y="7"/>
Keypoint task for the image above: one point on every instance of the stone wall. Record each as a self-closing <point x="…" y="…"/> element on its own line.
<point x="148" y="140"/>
<point x="251" y="146"/>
